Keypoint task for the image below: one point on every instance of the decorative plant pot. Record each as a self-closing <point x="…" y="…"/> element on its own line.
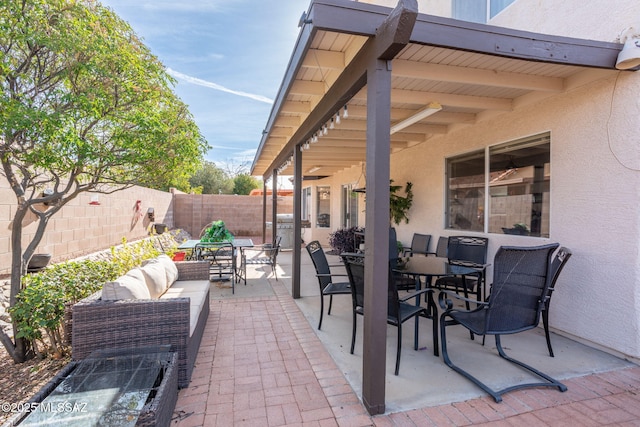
<point x="38" y="262"/>
<point x="516" y="231"/>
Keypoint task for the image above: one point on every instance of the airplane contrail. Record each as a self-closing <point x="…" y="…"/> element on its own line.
<point x="200" y="82"/>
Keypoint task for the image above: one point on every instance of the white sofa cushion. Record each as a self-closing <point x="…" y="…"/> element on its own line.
<point x="196" y="291"/>
<point x="130" y="286"/>
<point x="169" y="266"/>
<point x="155" y="276"/>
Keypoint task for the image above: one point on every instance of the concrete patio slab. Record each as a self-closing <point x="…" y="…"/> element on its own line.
<point x="263" y="362"/>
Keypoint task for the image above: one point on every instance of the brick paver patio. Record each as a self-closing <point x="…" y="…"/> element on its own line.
<point x="261" y="364"/>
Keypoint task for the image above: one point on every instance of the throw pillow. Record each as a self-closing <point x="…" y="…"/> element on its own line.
<point x="171" y="269"/>
<point x="156" y="278"/>
<point x="130" y="286"/>
<point x="169" y="266"/>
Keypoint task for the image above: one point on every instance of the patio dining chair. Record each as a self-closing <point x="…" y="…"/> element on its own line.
<point x="222" y="258"/>
<point x="558" y="263"/>
<point x="399" y="310"/>
<point x="419" y="245"/>
<point x="267" y="254"/>
<point x="468" y="251"/>
<point x="521" y="280"/>
<point x="328" y="286"/>
<point x="441" y="247"/>
<point x="403" y="282"/>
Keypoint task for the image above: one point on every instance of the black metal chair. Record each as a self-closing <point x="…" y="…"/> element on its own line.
<point x="267" y="254"/>
<point x="325" y="277"/>
<point x="403" y="282"/>
<point x="222" y="258"/>
<point x="419" y="245"/>
<point x="398" y="310"/>
<point x="559" y="261"/>
<point x="521" y="280"/>
<point x="441" y="247"/>
<point x="469" y="251"/>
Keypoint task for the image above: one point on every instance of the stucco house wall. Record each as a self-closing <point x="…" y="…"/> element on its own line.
<point x="351" y="176"/>
<point x="595" y="177"/>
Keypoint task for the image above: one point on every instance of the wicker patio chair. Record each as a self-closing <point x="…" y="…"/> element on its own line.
<point x="521" y="279"/>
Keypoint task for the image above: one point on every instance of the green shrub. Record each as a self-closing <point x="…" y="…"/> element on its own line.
<point x="39" y="309"/>
<point x="131" y="255"/>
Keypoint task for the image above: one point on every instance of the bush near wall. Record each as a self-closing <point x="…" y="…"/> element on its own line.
<point x="40" y="307"/>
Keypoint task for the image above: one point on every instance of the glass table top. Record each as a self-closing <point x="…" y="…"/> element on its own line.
<point x="106" y="391"/>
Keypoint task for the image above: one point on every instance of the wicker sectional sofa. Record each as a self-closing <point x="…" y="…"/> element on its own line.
<point x="125" y="316"/>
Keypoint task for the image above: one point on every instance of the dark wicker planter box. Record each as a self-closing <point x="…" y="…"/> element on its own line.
<point x="158" y="409"/>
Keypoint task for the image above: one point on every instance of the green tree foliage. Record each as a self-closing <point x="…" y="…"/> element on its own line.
<point x="243" y="184"/>
<point x="212" y="180"/>
<point x="84" y="107"/>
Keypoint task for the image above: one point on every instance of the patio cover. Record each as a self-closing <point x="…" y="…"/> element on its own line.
<point x="382" y="63"/>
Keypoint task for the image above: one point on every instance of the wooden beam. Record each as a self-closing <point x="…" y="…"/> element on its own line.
<point x="305" y="87"/>
<point x="296" y="107"/>
<point x="391" y="37"/>
<point x="505" y="42"/>
<point x="475" y="76"/>
<point x="288" y="121"/>
<point x="403" y="96"/>
<point x="297" y="224"/>
<point x="278" y="131"/>
<point x="324" y="59"/>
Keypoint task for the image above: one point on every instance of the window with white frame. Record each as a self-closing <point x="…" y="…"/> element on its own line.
<point x="477" y="10"/>
<point x="517" y="183"/>
<point x="323" y="211"/>
<point x="465" y="191"/>
<point x="349" y="207"/>
<point x="306" y="206"/>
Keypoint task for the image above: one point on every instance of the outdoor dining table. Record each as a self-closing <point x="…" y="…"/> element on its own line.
<point x="238" y="273"/>
<point x="190" y="245"/>
<point x="430" y="267"/>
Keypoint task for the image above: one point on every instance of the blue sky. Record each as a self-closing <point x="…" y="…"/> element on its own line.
<point x="228" y="57"/>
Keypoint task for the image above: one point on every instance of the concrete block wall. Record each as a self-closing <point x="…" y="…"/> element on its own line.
<point x="80" y="228"/>
<point x="241" y="214"/>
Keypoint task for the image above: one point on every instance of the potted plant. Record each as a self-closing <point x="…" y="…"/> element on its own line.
<point x="217" y="232"/>
<point x="343" y="240"/>
<point x="519" y="229"/>
<point x="399" y="205"/>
